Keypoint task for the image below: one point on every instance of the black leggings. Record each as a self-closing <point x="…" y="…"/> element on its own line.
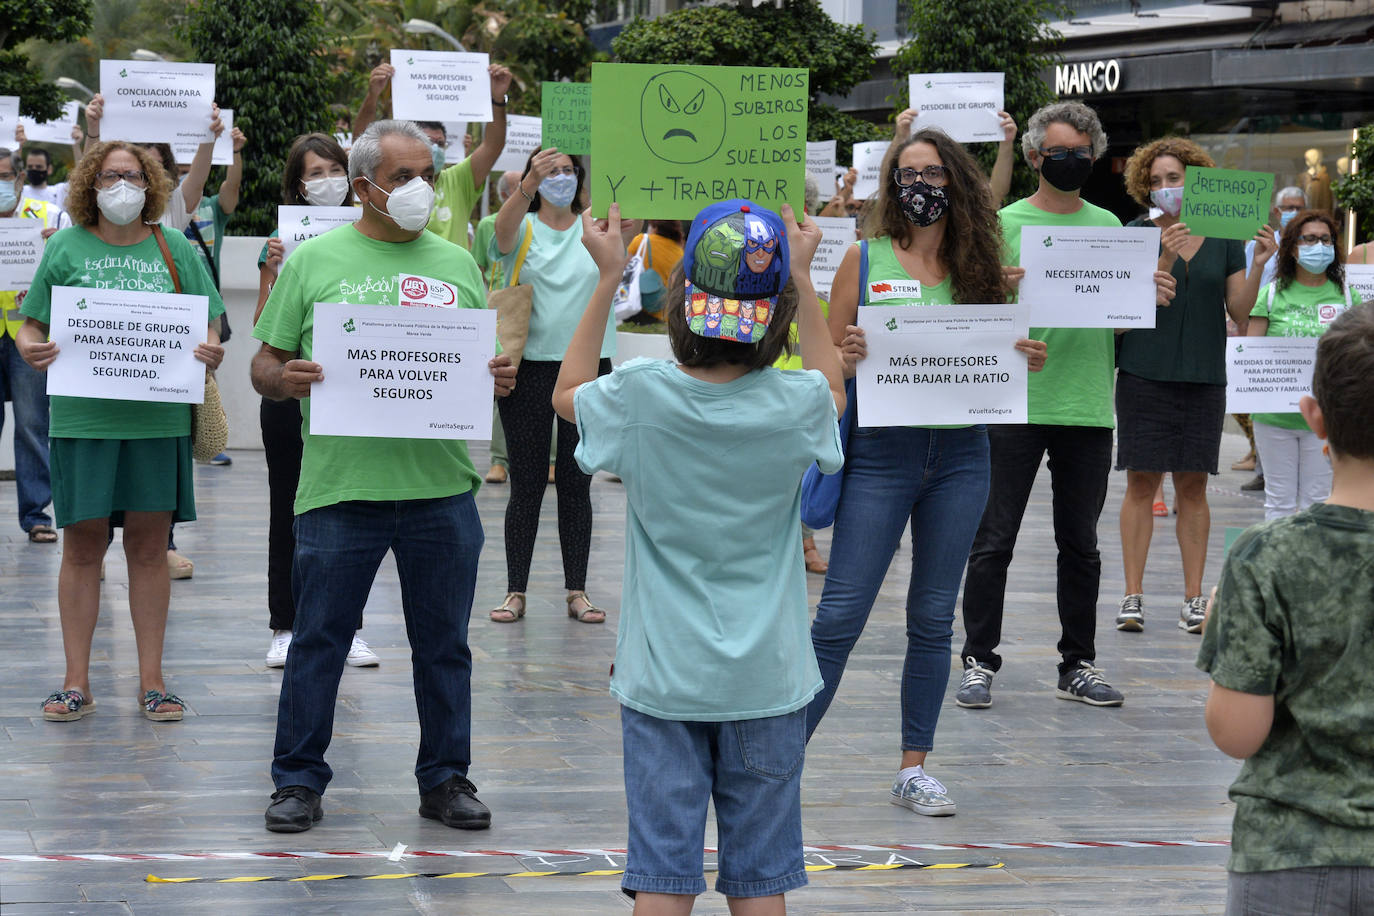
<point x="282" y="446"/>
<point x="527" y="415"/>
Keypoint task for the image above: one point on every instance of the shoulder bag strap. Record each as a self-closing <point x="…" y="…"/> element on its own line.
<point x="520" y="255"/>
<point x="1270" y="307"/>
<point x="863" y="272"/>
<point x="167" y="256"/>
<point x="209" y="256"/>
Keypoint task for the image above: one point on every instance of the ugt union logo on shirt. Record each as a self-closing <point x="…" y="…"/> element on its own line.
<point x="426" y="292"/>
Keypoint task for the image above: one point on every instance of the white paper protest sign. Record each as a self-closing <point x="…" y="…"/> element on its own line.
<point x="440" y="86"/>
<point x="820" y="162"/>
<point x="59" y="131"/>
<point x="223" y="151"/>
<point x="402" y="373"/>
<point x="21" y="248"/>
<point x="127" y="345"/>
<point x="296" y="224"/>
<point x="963" y="105"/>
<point x="523" y="136"/>
<point x="156" y="101"/>
<point x="1268" y="374"/>
<point x="1360" y="279"/>
<point x="9" y="119"/>
<point x="868" y="160"/>
<point x="942" y="364"/>
<point x="837" y="234"/>
<point x="1089" y="276"/>
<point x="455" y="131"/>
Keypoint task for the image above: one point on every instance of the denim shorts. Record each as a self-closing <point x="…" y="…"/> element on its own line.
<point x="751" y="767"/>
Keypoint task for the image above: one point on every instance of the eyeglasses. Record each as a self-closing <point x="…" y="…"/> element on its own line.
<point x="1290" y="208"/>
<point x="1315" y="239"/>
<point x="935" y="175"/>
<point x="108" y="178"/>
<point x="1058" y="153"/>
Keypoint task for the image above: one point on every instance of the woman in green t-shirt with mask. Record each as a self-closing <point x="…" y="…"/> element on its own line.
<point x="1308" y="293"/>
<point x="113" y="458"/>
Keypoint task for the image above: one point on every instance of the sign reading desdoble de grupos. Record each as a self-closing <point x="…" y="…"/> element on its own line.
<point x="127" y="345"/>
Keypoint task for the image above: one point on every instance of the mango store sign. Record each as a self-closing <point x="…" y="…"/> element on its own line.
<point x="1089" y="77"/>
<point x="668" y="140"/>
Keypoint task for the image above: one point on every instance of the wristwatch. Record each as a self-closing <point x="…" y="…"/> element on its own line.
<point x="502" y="103"/>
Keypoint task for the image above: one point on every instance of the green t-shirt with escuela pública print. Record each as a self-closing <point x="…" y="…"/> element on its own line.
<point x="1293" y="620"/>
<point x="1298" y="310"/>
<point x="78" y="257"/>
<point x="343" y="265"/>
<point x="1075" y="387"/>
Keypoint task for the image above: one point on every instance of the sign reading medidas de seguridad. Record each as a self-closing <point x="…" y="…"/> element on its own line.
<point x="1225" y="203"/>
<point x="668" y="140"/>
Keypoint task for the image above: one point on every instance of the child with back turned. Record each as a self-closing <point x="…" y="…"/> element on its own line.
<point x="1289" y="644"/>
<point x="714" y="666"/>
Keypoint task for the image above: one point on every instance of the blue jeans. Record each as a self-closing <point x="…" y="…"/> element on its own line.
<point x="751" y="768"/>
<point x="27" y="389"/>
<point x="939" y="479"/>
<point x="338" y="550"/>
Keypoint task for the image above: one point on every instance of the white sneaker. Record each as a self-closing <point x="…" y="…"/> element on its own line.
<point x="360" y="656"/>
<point x="922" y="793"/>
<point x="276" y="653"/>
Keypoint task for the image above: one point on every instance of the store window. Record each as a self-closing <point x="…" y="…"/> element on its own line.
<point x="1313" y="160"/>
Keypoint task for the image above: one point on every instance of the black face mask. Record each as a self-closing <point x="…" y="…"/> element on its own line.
<point x="1067" y="174"/>
<point x="35" y="177"/>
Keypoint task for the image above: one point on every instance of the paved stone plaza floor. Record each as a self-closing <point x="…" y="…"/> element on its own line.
<point x="1031" y="770"/>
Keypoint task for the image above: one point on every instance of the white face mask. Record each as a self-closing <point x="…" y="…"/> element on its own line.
<point x="410" y="205"/>
<point x="329" y="191"/>
<point x="1170" y="200"/>
<point x="121" y="202"/>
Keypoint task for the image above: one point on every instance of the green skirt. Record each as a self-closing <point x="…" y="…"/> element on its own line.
<point x="104" y="478"/>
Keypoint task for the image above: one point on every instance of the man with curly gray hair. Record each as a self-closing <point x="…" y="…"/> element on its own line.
<point x="1070" y="414"/>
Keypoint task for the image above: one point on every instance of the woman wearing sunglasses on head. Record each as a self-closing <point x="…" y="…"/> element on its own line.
<point x="933" y="239"/>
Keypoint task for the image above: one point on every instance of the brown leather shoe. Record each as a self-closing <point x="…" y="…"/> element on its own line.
<point x="812" y="556"/>
<point x="497" y="474"/>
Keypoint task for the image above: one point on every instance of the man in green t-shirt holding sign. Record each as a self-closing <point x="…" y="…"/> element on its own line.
<point x="1070" y="412"/>
<point x="360" y="497"/>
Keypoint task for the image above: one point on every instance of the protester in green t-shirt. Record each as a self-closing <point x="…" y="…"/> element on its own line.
<point x="1308" y="293"/>
<point x="1171" y="387"/>
<point x="1070" y="413"/>
<point x="359" y="498"/>
<point x="930" y="239"/>
<point x="457" y="186"/>
<point x="1288" y="645"/>
<point x="117" y="460"/>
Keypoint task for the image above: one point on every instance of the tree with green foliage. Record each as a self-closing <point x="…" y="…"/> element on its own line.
<point x="61" y="20"/>
<point x="973" y="36"/>
<point x="271" y="69"/>
<point x="1356" y="192"/>
<point x="797" y="33"/>
<point x="114" y="31"/>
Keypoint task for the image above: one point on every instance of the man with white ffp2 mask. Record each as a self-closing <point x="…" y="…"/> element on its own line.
<point x="359" y="498"/>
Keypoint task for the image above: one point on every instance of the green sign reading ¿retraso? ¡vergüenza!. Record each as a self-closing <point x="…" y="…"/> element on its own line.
<point x="1225" y="203"/>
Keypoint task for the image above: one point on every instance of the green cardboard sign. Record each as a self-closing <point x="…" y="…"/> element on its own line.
<point x="1225" y="203"/>
<point x="567" y="117"/>
<point x="668" y="140"/>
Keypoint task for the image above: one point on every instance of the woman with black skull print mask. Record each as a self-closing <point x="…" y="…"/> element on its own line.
<point x="932" y="239"/>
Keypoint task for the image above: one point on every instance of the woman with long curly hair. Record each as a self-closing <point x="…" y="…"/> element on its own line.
<point x="114" y="460"/>
<point x="1171" y="379"/>
<point x="932" y="238"/>
<point x="1307" y="294"/>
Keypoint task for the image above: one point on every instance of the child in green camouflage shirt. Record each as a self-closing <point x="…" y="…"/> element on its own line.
<point x="1290" y="648"/>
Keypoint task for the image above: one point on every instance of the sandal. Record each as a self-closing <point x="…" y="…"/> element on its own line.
<point x="505" y="612"/>
<point x="76" y="703"/>
<point x="812" y="556"/>
<point x="589" y="614"/>
<point x="155" y="698"/>
<point x="1160" y="510"/>
<point x="43" y="534"/>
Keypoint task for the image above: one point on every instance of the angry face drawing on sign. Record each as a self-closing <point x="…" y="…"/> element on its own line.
<point x="682" y="117"/>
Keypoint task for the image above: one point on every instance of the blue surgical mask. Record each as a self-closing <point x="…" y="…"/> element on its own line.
<point x="1286" y="217"/>
<point x="558" y="190"/>
<point x="9" y="198"/>
<point x="436" y="152"/>
<point x="1316" y="258"/>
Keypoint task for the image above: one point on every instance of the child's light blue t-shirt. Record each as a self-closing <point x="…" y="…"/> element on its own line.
<point x="714" y="624"/>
